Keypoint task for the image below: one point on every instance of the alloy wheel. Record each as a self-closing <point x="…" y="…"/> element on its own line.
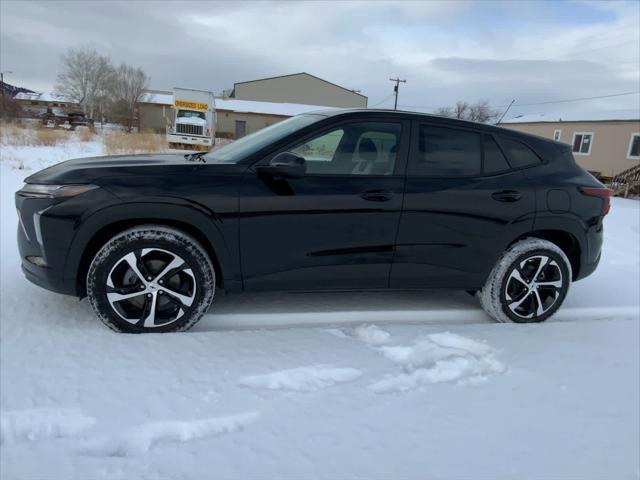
<point x="533" y="286"/>
<point x="151" y="287"/>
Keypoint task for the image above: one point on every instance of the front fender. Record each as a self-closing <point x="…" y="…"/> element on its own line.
<point x="172" y="211"/>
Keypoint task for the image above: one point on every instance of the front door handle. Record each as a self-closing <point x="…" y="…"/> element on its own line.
<point x="506" y="196"/>
<point x="377" y="195"/>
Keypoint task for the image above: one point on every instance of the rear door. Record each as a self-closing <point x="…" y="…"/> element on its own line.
<point x="464" y="203"/>
<point x="334" y="228"/>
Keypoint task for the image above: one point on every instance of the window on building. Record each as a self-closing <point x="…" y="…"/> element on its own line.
<point x="634" y="147"/>
<point x="494" y="159"/>
<point x="446" y="152"/>
<point x="557" y="133"/>
<point x="519" y="154"/>
<point x="367" y="148"/>
<point x="582" y="142"/>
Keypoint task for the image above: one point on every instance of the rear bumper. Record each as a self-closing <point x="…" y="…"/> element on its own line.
<point x="591" y="251"/>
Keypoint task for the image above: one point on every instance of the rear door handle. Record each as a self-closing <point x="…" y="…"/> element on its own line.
<point x="506" y="196"/>
<point x="377" y="195"/>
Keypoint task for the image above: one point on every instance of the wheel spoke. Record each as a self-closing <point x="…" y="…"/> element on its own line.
<point x="150" y="319"/>
<point x="184" y="300"/>
<point x="516" y="304"/>
<point x="173" y="267"/>
<point x="132" y="260"/>
<point x="517" y="275"/>
<point x="543" y="262"/>
<point x="117" y="296"/>
<point x="540" y="309"/>
<point x="554" y="284"/>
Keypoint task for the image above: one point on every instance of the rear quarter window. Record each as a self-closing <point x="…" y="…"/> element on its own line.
<point x="519" y="154"/>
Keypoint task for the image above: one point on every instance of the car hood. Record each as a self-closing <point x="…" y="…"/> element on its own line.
<point x="87" y="170"/>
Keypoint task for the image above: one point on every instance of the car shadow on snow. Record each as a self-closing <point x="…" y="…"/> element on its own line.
<point x="289" y="309"/>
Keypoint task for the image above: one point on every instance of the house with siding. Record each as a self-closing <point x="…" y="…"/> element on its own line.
<point x="606" y="143"/>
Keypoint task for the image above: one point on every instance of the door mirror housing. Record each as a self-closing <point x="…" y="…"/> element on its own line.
<point x="285" y="165"/>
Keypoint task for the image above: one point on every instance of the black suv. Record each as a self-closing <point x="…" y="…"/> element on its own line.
<point x="345" y="199"/>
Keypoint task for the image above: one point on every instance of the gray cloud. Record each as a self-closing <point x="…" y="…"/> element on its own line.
<point x="447" y="51"/>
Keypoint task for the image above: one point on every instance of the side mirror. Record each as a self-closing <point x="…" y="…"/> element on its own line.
<point x="285" y="165"/>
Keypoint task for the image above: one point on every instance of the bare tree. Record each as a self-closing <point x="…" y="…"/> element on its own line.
<point x="478" y="112"/>
<point x="84" y="76"/>
<point x="481" y="112"/>
<point x="460" y="110"/>
<point x="444" y="111"/>
<point x="127" y="86"/>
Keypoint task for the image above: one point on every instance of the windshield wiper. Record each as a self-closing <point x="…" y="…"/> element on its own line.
<point x="193" y="157"/>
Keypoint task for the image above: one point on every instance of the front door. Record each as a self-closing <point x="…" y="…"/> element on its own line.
<point x="334" y="228"/>
<point x="464" y="203"/>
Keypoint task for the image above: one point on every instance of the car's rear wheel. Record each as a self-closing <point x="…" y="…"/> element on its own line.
<point x="528" y="284"/>
<point x="151" y="279"/>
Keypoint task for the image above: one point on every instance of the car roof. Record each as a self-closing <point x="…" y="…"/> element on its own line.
<point x="409" y="115"/>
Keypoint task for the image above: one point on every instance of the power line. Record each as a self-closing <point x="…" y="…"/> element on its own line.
<point x="541" y="103"/>
<point x="382" y="101"/>
<point x="577" y="99"/>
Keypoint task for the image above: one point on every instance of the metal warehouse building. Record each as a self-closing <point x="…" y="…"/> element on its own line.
<point x="301" y="88"/>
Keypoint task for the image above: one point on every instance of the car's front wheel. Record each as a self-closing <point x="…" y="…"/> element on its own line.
<point x="528" y="284"/>
<point x="151" y="278"/>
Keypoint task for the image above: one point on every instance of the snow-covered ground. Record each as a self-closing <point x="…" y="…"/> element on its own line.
<point x="371" y="385"/>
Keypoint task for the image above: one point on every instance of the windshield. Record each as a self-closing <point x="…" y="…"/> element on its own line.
<point x="242" y="148"/>
<point x="190" y="114"/>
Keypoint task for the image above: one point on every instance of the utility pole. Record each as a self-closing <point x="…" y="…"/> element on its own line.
<point x="395" y="90"/>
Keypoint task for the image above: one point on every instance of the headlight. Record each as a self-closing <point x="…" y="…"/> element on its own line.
<point x="54" y="191"/>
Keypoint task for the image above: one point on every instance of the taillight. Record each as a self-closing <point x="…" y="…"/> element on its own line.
<point x="601" y="192"/>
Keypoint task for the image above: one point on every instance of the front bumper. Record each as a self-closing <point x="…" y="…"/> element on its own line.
<point x="189" y="139"/>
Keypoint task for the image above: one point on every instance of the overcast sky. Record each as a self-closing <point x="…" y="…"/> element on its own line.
<point x="529" y="51"/>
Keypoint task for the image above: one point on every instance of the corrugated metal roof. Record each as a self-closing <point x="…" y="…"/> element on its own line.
<point x="242" y="106"/>
<point x="43" y="97"/>
<point x="605" y="115"/>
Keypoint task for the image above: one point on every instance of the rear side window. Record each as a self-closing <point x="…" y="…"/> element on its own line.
<point x="447" y="152"/>
<point x="518" y="153"/>
<point x="494" y="159"/>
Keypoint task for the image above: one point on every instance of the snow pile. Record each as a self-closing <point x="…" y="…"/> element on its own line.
<point x="371" y="335"/>
<point x="439" y="357"/>
<point x="142" y="438"/>
<point x="37" y="424"/>
<point x="302" y="379"/>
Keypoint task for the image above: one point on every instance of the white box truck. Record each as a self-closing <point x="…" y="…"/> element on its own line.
<point x="193" y="123"/>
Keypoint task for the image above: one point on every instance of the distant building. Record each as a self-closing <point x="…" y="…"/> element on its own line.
<point x="36" y="104"/>
<point x="605" y="143"/>
<point x="12" y="90"/>
<point x="234" y="118"/>
<point x="302" y="88"/>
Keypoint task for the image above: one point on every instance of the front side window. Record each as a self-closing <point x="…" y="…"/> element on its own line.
<point x="634" y="147"/>
<point x="366" y="148"/>
<point x="243" y="148"/>
<point x="519" y="154"/>
<point x="582" y="143"/>
<point x="447" y="152"/>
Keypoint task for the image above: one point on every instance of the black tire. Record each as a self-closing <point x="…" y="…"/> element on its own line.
<point x="180" y="281"/>
<point x="517" y="290"/>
